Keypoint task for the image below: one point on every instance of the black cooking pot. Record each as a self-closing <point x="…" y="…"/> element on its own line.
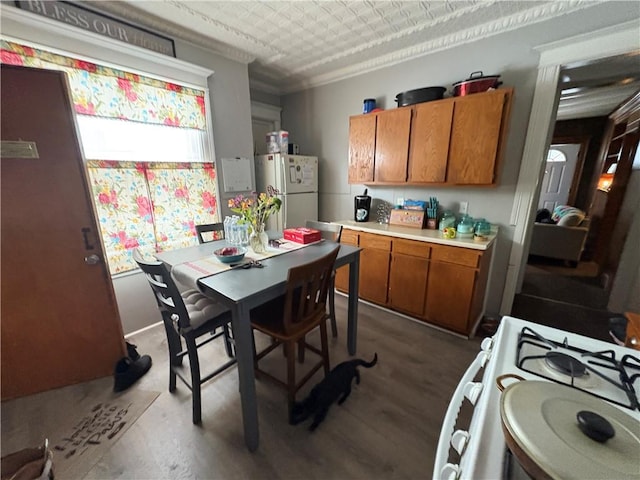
<point x="476" y="83"/>
<point x="420" y="95"/>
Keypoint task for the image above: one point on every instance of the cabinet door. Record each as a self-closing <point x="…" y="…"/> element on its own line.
<point x="408" y="276"/>
<point x="348" y="237"/>
<point x="408" y="283"/>
<point x="362" y="142"/>
<point x="475" y="137"/>
<point x="430" y="132"/>
<point x="451" y="289"/>
<point x="392" y="145"/>
<point x="374" y="267"/>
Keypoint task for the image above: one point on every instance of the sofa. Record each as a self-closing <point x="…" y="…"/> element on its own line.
<point x="562" y="237"/>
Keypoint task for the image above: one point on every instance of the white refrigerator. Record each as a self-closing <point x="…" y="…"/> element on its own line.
<point x="294" y="179"/>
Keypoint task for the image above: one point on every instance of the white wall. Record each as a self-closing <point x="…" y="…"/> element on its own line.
<point x="319" y="119"/>
<point x="622" y="298"/>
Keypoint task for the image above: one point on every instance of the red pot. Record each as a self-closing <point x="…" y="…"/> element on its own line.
<point x="476" y="83"/>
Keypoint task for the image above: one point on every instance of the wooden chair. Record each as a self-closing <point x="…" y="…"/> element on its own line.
<point x="329" y="231"/>
<point x="188" y="315"/>
<point x="289" y="318"/>
<point x="209" y="227"/>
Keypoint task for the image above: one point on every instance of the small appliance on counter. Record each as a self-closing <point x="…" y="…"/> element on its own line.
<point x="361" y="207"/>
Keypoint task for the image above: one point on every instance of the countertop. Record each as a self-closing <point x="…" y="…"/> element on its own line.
<point x="421" y="235"/>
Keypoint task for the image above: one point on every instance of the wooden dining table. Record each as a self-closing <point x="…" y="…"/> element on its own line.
<point x="242" y="289"/>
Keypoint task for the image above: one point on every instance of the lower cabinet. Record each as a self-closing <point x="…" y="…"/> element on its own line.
<point x="456" y="287"/>
<point x="348" y="237"/>
<point x="408" y="276"/>
<point x="441" y="285"/>
<point x="374" y="267"/>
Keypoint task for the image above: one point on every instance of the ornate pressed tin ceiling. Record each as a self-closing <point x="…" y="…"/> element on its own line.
<point x="291" y="45"/>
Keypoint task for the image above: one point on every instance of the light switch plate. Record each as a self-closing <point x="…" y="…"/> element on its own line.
<point x="464" y="208"/>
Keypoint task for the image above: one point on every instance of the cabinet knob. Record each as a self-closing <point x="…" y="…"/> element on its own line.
<point x="633" y="341"/>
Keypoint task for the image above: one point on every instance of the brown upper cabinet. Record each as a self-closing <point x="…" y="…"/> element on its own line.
<point x="362" y="144"/>
<point x="392" y="145"/>
<point x="454" y="141"/>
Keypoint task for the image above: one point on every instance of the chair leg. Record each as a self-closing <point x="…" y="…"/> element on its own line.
<point x="227" y="340"/>
<point x="172" y="379"/>
<point x="332" y="307"/>
<point x="301" y="350"/>
<point x="324" y="347"/>
<point x="194" y="365"/>
<point x="291" y="375"/>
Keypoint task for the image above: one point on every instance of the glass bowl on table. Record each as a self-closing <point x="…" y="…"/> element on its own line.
<point x="230" y="254"/>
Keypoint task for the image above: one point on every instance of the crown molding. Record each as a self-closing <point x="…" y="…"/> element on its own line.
<point x="533" y="15"/>
<point x="130" y="13"/>
<point x="263" y="77"/>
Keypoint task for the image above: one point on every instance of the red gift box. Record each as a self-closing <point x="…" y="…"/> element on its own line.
<point x="302" y="235"/>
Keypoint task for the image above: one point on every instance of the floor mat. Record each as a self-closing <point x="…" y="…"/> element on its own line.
<point x="93" y="421"/>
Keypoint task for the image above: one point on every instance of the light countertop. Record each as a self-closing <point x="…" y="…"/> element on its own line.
<point x="421" y="235"/>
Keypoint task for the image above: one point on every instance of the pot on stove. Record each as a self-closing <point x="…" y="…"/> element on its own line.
<point x="558" y="432"/>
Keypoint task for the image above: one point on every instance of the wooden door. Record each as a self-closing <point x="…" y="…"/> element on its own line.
<point x="475" y="138"/>
<point x="60" y="323"/>
<point x="392" y="145"/>
<point x="362" y="144"/>
<point x="430" y="132"/>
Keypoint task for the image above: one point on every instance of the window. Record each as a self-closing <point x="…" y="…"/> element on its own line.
<point x="556" y="156"/>
<point x="145" y="142"/>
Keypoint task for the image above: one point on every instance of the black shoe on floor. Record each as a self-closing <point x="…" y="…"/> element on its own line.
<point x="128" y="371"/>
<point x="132" y="351"/>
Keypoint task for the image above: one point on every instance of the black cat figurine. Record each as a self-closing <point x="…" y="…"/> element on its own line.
<point x="335" y="386"/>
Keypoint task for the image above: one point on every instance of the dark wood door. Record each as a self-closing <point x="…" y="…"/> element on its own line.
<point x="60" y="323"/>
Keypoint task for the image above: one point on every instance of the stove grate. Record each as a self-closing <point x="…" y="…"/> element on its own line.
<point x="597" y="363"/>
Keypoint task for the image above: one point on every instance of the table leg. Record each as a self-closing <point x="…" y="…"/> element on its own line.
<point x="352" y="328"/>
<point x="244" y="355"/>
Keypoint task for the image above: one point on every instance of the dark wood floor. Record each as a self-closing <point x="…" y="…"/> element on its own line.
<point x="387" y="428"/>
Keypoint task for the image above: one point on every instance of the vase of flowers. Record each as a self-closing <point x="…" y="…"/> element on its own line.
<point x="255" y="210"/>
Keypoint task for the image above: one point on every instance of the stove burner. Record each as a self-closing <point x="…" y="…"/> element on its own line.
<point x="566" y="364"/>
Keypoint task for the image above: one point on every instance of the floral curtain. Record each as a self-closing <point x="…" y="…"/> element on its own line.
<point x="109" y="92"/>
<point x="151" y="206"/>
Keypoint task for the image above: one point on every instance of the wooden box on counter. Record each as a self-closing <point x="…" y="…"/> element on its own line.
<point x="408" y="218"/>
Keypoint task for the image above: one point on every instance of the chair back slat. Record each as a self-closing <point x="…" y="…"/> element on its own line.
<point x="216" y="228"/>
<point x="329" y="231"/>
<point x="166" y="292"/>
<point x="306" y="296"/>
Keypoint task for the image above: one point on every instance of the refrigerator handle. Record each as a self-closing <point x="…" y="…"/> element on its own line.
<point x="283" y="176"/>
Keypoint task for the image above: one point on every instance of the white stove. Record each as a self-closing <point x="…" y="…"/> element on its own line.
<point x="533" y="352"/>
